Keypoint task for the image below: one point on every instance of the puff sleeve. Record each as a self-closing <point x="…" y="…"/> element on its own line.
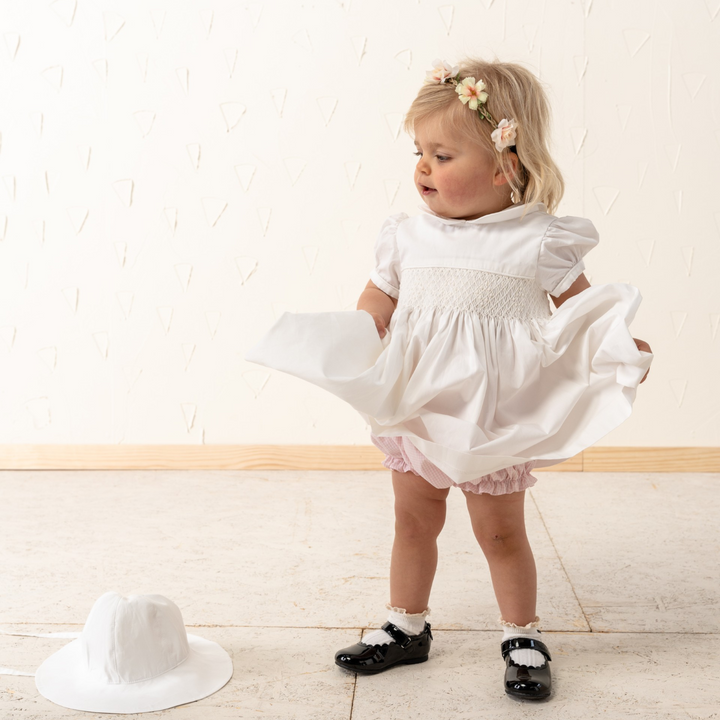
<point x="560" y="258"/>
<point x="386" y="273"/>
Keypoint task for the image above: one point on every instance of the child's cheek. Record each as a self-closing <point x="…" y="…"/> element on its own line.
<point x="461" y="188"/>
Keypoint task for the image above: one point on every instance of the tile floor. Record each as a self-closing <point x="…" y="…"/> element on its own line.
<point x="282" y="568"/>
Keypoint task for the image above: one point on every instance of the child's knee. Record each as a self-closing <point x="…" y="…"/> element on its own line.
<point x="419" y="508"/>
<point x="501" y="538"/>
<point x="418" y="527"/>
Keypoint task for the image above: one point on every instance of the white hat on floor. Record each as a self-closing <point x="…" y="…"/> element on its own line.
<point x="133" y="656"/>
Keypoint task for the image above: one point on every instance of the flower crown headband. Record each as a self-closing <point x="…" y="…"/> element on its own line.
<point x="472" y="93"/>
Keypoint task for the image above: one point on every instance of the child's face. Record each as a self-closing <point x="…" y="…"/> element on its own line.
<point x="461" y="174"/>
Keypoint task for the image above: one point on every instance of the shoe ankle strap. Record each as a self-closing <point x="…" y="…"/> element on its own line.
<point x="398" y="635"/>
<point x="524" y="643"/>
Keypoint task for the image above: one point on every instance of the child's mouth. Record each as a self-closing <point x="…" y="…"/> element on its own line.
<point x="427" y="190"/>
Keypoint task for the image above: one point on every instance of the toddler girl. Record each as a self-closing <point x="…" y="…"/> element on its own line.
<point x="455" y="360"/>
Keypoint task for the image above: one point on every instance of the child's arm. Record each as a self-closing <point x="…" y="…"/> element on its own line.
<point x="577" y="287"/>
<point x="380" y="305"/>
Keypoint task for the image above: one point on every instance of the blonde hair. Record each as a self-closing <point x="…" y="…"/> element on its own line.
<point x="513" y="93"/>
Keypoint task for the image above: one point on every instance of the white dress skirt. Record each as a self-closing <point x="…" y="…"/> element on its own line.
<point x="475" y="370"/>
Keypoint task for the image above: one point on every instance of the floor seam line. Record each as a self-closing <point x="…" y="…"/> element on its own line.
<point x="562" y="564"/>
<point x="352" y="699"/>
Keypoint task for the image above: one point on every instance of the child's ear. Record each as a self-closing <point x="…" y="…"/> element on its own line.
<point x="512" y="159"/>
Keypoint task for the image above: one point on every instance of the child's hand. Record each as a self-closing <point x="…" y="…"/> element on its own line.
<point x="642" y="345"/>
<point x="379" y="324"/>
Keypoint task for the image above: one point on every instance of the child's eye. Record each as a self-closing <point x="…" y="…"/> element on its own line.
<point x="441" y="158"/>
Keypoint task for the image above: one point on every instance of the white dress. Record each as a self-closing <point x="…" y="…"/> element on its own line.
<point x="476" y="371"/>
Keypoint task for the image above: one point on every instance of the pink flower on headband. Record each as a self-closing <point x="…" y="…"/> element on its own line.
<point x="441" y="72"/>
<point x="505" y="134"/>
<point x="471" y="92"/>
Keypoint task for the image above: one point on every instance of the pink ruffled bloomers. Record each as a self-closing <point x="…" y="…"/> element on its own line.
<point x="403" y="456"/>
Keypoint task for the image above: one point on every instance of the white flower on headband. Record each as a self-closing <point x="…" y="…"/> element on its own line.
<point x="441" y="72"/>
<point x="471" y="92"/>
<point x="505" y="134"/>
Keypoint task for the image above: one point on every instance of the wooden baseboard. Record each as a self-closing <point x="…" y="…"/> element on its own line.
<point x="320" y="457"/>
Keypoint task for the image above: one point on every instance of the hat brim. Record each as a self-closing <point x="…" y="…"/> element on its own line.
<point x="64" y="679"/>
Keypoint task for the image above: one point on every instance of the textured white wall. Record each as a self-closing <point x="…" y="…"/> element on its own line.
<point x="175" y="175"/>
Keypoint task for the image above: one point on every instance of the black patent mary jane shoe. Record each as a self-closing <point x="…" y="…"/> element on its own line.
<point x="523" y="682"/>
<point x="403" y="650"/>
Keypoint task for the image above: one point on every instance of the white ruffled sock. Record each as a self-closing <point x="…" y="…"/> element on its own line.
<point x="412" y="624"/>
<point x="525" y="656"/>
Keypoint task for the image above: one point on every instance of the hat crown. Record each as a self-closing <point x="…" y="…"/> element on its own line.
<point x="134" y="638"/>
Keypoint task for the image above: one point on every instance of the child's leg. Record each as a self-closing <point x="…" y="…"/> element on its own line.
<point x="498" y="522"/>
<point x="499" y="525"/>
<point x="405" y="637"/>
<point x="419" y="518"/>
